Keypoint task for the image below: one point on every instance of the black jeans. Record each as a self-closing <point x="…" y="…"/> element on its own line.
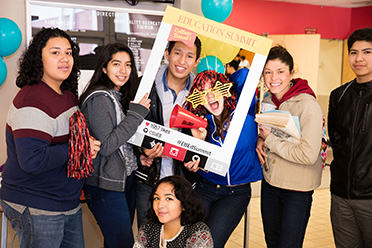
<point x="285" y="214"/>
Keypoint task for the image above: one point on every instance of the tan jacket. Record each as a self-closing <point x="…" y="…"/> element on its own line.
<point x="296" y="166"/>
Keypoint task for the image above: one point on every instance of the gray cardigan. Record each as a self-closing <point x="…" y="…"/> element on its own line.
<point x="109" y="168"/>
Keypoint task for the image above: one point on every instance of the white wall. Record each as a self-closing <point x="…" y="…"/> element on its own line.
<point x="330" y="71"/>
<point x="14" y="10"/>
<point x="193" y="6"/>
<point x="330" y="65"/>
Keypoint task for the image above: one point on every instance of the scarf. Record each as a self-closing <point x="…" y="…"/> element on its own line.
<point x="300" y="86"/>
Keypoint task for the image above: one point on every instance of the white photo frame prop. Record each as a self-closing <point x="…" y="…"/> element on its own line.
<point x="176" y="144"/>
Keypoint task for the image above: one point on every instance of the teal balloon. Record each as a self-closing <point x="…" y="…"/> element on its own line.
<point x="3" y="71"/>
<point x="211" y="63"/>
<point x="10" y="37"/>
<point x="216" y="10"/>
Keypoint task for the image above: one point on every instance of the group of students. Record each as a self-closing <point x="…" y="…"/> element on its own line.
<point x="178" y="204"/>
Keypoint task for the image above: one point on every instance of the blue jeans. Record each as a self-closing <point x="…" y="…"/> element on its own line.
<point x="142" y="201"/>
<point x="285" y="214"/>
<point x="114" y="213"/>
<point x="225" y="207"/>
<point x="46" y="231"/>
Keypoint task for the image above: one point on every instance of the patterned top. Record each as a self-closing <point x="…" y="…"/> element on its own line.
<point x="195" y="235"/>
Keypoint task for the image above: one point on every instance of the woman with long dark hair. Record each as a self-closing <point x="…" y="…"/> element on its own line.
<point x="292" y="170"/>
<point x="112" y="118"/>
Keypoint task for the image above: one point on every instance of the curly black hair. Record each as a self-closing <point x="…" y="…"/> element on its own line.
<point x="100" y="80"/>
<point x="30" y="65"/>
<point x="193" y="210"/>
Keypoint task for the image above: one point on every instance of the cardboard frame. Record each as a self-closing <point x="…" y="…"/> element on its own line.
<point x="178" y="145"/>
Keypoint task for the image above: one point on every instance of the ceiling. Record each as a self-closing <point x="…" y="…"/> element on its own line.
<point x="334" y="3"/>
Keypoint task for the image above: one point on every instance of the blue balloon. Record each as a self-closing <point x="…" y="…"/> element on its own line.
<point x="216" y="10"/>
<point x="10" y="37"/>
<point x="3" y="71"/>
<point x="212" y="63"/>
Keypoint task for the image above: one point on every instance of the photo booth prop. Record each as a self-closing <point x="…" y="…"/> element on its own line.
<point x="181" y="118"/>
<point x="180" y="146"/>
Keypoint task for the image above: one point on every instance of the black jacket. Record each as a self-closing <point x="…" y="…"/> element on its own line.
<point x="350" y="132"/>
<point x="150" y="175"/>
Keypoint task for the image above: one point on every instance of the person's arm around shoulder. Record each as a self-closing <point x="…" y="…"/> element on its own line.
<point x="201" y="236"/>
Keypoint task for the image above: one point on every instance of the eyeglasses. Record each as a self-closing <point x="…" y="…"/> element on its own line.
<point x="219" y="90"/>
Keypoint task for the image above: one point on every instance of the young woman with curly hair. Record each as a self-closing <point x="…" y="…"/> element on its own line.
<point x="174" y="217"/>
<point x="38" y="198"/>
<point x="32" y="67"/>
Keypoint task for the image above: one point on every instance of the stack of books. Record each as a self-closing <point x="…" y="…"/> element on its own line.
<point x="281" y="123"/>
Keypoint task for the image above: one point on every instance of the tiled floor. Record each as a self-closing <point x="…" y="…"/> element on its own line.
<point x="318" y="232"/>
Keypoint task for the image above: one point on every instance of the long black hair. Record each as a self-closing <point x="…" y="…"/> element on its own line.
<point x="31" y="65"/>
<point x="193" y="210"/>
<point x="100" y="80"/>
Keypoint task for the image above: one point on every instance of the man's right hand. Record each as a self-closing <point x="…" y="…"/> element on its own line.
<point x="145" y="161"/>
<point x="154" y="152"/>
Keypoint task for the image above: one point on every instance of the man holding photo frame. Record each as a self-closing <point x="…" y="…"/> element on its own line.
<point x="171" y="86"/>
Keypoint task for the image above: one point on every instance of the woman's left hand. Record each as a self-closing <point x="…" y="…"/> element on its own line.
<point x="264" y="132"/>
<point x="199" y="133"/>
<point x="145" y="101"/>
<point x="94" y="146"/>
